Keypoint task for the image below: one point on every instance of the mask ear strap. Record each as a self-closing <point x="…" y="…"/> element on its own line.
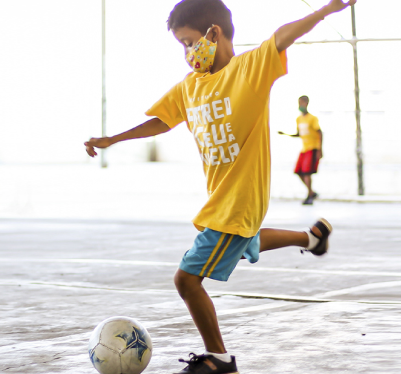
<point x="207" y="32"/>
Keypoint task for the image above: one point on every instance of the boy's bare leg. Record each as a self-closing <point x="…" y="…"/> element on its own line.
<point x="200" y="304"/>
<point x="201" y="308"/>
<point x="275" y="238"/>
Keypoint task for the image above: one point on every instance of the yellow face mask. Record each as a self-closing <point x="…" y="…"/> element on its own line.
<point x="201" y="57"/>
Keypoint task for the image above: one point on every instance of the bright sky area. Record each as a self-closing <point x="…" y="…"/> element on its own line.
<point x="50" y="78"/>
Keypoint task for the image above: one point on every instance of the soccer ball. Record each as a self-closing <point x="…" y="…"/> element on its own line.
<point x="120" y="345"/>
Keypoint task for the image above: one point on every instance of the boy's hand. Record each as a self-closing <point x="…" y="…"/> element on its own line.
<point x="287" y="34"/>
<point x="98" y="143"/>
<point x="338" y="5"/>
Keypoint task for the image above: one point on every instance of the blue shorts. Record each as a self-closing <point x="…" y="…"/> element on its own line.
<point x="215" y="254"/>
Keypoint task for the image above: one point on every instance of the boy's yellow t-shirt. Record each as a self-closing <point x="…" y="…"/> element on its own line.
<point x="308" y="127"/>
<point x="228" y="115"/>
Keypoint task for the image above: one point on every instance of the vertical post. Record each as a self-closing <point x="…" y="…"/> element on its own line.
<point x="359" y="153"/>
<point x="103" y="151"/>
<point x="152" y="151"/>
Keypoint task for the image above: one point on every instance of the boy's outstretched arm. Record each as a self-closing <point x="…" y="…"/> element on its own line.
<point x="150" y="128"/>
<point x="287" y="34"/>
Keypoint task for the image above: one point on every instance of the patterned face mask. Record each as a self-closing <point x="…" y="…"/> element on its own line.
<point x="201" y="57"/>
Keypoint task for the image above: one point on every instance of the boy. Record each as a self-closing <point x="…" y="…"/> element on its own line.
<point x="225" y="105"/>
<point x="309" y="131"/>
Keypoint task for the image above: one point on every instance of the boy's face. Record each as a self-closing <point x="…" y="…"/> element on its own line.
<point x="188" y="37"/>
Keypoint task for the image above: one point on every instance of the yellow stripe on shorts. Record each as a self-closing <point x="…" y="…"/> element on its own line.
<point x="213" y="254"/>
<point x="220" y="256"/>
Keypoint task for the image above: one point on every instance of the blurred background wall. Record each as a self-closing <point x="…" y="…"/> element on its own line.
<point x="50" y="87"/>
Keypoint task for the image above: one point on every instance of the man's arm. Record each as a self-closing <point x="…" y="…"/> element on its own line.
<point x="287" y="34"/>
<point x="292" y="135"/>
<point x="320" y="151"/>
<point x="150" y="128"/>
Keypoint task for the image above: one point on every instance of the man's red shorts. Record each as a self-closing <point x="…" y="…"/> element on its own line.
<point x="307" y="163"/>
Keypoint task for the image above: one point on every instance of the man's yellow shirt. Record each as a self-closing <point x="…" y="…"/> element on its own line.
<point x="308" y="130"/>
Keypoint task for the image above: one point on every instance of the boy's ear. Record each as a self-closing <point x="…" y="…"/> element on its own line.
<point x="215" y="33"/>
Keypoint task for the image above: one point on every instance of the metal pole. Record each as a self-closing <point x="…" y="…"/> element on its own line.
<point x="359" y="153"/>
<point x="103" y="151"/>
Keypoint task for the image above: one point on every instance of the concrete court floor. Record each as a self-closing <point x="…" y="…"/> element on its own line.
<point x="289" y="313"/>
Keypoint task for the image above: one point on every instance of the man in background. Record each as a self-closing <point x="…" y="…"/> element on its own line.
<point x="309" y="131"/>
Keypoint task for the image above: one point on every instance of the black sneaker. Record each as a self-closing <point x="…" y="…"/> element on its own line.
<point x="308" y="201"/>
<point x="208" y="365"/>
<point x="325" y="229"/>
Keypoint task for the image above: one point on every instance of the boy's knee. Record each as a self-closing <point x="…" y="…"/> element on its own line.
<point x="186" y="283"/>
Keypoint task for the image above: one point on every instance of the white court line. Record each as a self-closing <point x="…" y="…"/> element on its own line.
<point x="175" y="265"/>
<point x="40" y="344"/>
<point x="324" y="297"/>
<point x="83" y="337"/>
<point x="363" y="287"/>
<point x="226" y="312"/>
<point x="289" y="298"/>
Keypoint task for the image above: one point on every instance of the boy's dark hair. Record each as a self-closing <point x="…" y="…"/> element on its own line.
<point x="200" y="15"/>
<point x="304" y="98"/>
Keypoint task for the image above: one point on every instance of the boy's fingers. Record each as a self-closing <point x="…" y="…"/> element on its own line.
<point x="90" y="146"/>
<point x="91" y="151"/>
